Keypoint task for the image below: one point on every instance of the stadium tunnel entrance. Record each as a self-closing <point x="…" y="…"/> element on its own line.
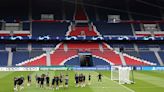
<point x="85" y="59"/>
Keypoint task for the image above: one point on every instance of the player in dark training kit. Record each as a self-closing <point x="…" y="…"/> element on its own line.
<point x="47" y="81"/>
<point x="66" y="80"/>
<point x="89" y="79"/>
<point x="42" y="81"/>
<point x="53" y="82"/>
<point x="77" y="80"/>
<point x="57" y="82"/>
<point x="29" y="80"/>
<point x="20" y="82"/>
<point x="61" y="80"/>
<point x="99" y="78"/>
<point x="15" y="83"/>
<point x="83" y="80"/>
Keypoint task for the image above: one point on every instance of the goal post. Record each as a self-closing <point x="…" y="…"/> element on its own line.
<point x="122" y="74"/>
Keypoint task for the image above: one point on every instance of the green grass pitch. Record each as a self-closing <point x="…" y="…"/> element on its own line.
<point x="145" y="81"/>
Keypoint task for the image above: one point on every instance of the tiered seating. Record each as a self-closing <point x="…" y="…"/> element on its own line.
<point x="22" y="46"/>
<point x="143" y="46"/>
<point x="83" y="31"/>
<point x="59" y="56"/>
<point x="41" y="46"/>
<point x="4" y="58"/>
<point x="2" y="46"/>
<point x="98" y="61"/>
<point x="20" y="56"/>
<point x="83" y="45"/>
<point x="150" y="56"/>
<point x="51" y="29"/>
<point x="133" y="53"/>
<point x="162" y="27"/>
<point x="161" y="54"/>
<point x="26" y="26"/>
<point x="39" y="61"/>
<point x="131" y="61"/>
<point x="114" y="28"/>
<point x="80" y="14"/>
<point x="109" y="55"/>
<point x="67" y="52"/>
<point x="137" y="27"/>
<point x="18" y="46"/>
<point x="74" y="62"/>
<point x="33" y="54"/>
<point x="128" y="46"/>
<point x="162" y="47"/>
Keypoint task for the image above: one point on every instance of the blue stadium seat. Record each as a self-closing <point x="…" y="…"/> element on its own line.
<point x="51" y="29"/>
<point x="26" y="26"/>
<point x="121" y="45"/>
<point x="74" y="61"/>
<point x="133" y="53"/>
<point x="4" y="58"/>
<point x="44" y="45"/>
<point x="33" y="54"/>
<point x="25" y="46"/>
<point x="19" y="57"/>
<point x="162" y="27"/>
<point x="161" y="54"/>
<point x="150" y="56"/>
<point x="97" y="61"/>
<point x="114" y="28"/>
<point x="2" y="46"/>
<point x="137" y="27"/>
<point x="162" y="47"/>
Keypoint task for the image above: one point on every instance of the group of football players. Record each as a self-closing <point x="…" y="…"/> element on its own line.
<point x="43" y="81"/>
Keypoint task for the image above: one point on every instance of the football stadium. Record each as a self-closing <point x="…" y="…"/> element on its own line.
<point x="81" y="45"/>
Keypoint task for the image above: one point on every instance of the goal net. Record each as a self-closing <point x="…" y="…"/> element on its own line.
<point x="122" y="74"/>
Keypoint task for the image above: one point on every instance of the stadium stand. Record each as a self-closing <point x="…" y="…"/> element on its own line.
<point x="66" y="53"/>
<point x="26" y="26"/>
<point x="51" y="29"/>
<point x="2" y="46"/>
<point x="98" y="61"/>
<point x="137" y="27"/>
<point x="20" y="56"/>
<point x="161" y="54"/>
<point x="162" y="27"/>
<point x="81" y="31"/>
<point x="74" y="62"/>
<point x="162" y="47"/>
<point x="114" y="28"/>
<point x="4" y="58"/>
<point x="149" y="55"/>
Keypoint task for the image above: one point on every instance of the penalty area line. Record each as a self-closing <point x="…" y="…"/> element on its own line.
<point x="122" y="85"/>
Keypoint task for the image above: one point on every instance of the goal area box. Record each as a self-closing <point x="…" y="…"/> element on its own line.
<point x="122" y="74"/>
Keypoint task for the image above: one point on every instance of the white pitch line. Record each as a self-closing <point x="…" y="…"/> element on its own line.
<point x="120" y="84"/>
<point x="124" y="86"/>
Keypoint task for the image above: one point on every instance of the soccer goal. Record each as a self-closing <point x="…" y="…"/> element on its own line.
<point x="124" y="75"/>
